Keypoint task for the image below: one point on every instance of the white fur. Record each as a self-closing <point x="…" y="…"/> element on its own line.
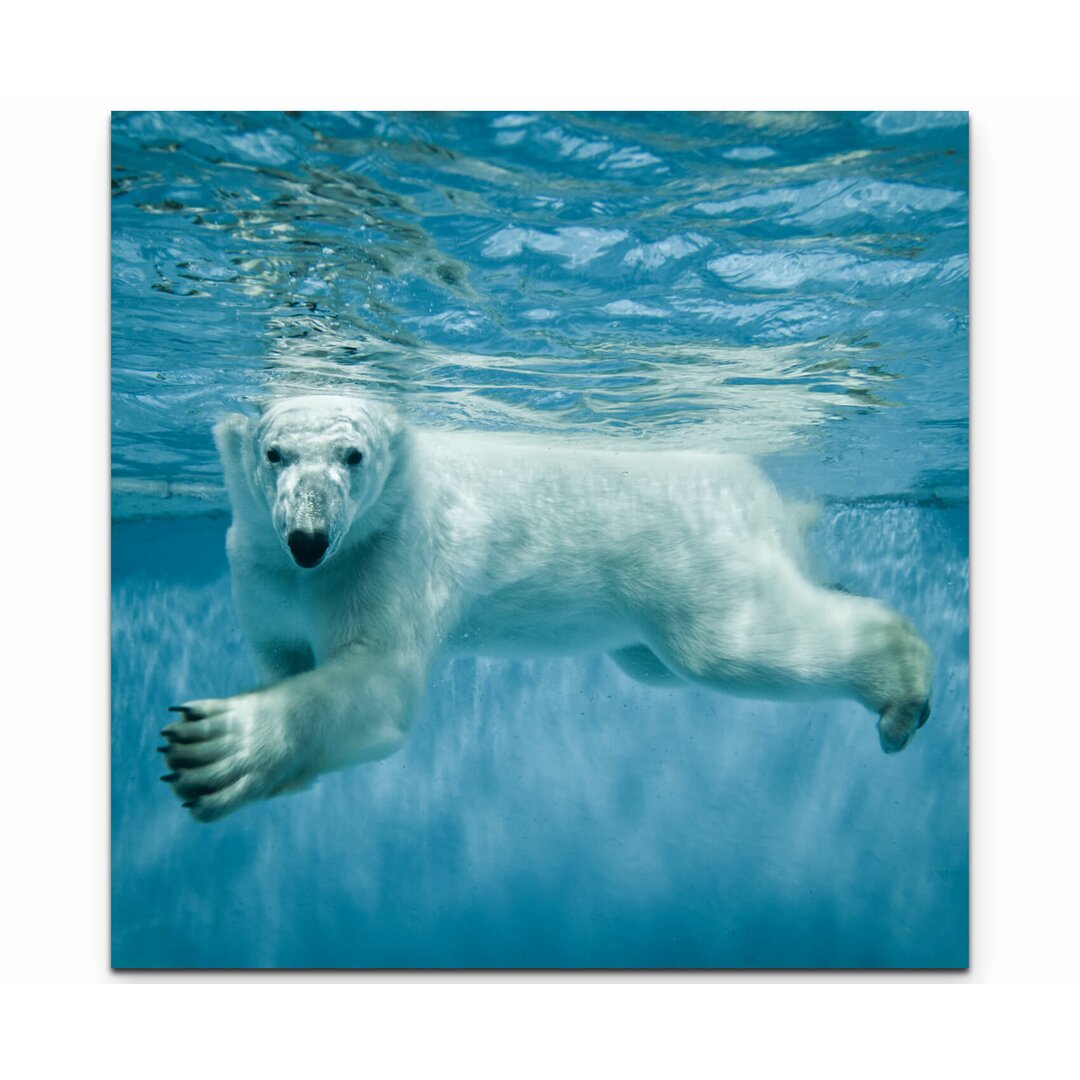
<point x="685" y="567"/>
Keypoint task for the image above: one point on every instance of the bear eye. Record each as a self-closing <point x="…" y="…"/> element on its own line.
<point x="273" y="455"/>
<point x="353" y="458"/>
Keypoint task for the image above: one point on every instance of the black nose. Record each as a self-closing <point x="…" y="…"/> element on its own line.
<point x="308" y="548"/>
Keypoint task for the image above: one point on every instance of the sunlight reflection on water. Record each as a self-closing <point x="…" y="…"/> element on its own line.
<point x="602" y="275"/>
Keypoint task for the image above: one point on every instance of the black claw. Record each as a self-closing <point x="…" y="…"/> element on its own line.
<point x="190" y="802"/>
<point x="167" y="734"/>
<point x="170" y="777"/>
<point x="162" y="749"/>
<point x="188" y="711"/>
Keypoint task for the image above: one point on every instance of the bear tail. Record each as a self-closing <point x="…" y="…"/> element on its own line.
<point x="806" y="515"/>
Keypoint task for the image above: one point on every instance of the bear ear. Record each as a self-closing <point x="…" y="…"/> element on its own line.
<point x="389" y="419"/>
<point x="232" y="435"/>
<point x="395" y="423"/>
<point x="230" y="432"/>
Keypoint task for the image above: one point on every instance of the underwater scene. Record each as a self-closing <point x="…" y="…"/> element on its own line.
<point x="792" y="287"/>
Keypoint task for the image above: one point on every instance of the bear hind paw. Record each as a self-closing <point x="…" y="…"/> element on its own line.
<point x="898" y="724"/>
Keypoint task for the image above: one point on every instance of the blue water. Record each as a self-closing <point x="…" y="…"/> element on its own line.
<point x="788" y="285"/>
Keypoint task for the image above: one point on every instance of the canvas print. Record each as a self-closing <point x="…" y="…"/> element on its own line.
<point x="540" y="540"/>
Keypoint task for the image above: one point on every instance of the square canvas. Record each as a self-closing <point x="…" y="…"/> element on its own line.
<point x="549" y="533"/>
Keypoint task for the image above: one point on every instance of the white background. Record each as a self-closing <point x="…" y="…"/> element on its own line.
<point x="67" y="66"/>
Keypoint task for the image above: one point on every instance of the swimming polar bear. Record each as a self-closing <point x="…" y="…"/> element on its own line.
<point x="361" y="549"/>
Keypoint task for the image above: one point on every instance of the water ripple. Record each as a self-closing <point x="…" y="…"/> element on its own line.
<point x="716" y="264"/>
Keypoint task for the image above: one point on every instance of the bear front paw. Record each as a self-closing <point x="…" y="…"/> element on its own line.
<point x="225" y="753"/>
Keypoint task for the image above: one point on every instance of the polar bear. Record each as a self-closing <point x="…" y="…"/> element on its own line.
<point x="361" y="549"/>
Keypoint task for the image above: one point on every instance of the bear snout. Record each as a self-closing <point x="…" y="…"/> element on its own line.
<point x="308" y="548"/>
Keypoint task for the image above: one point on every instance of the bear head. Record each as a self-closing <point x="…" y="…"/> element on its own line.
<point x="317" y="465"/>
